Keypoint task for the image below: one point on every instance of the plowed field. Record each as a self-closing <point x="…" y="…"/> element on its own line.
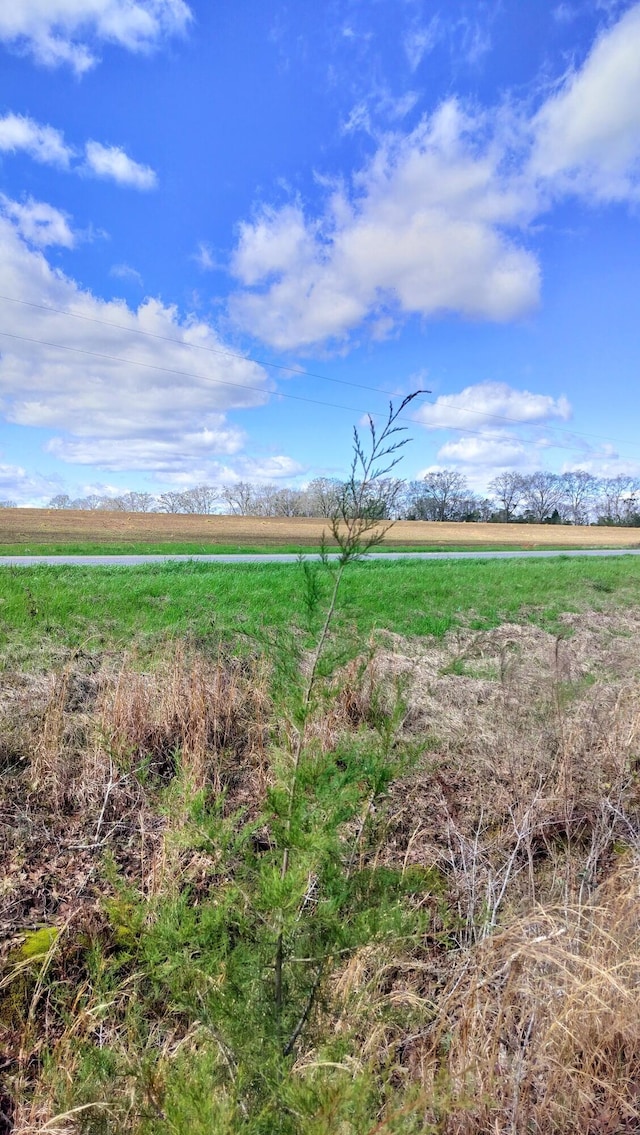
<point x="42" y="526"/>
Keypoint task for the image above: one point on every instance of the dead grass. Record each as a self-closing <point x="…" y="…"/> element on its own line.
<point x="86" y="754"/>
<point x="538" y="1029"/>
<point x="517" y="1013"/>
<point x="42" y="525"/>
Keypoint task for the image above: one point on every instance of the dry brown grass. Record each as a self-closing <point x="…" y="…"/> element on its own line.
<point x="85" y="754"/>
<point x="42" y="525"/>
<point x="517" y="1011"/>
<point x="538" y="1028"/>
<point x="519" y="1014"/>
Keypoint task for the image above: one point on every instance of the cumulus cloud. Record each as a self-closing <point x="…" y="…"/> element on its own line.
<point x="481" y="458"/>
<point x="70" y="32"/>
<point x="24" y="488"/>
<point x="42" y="143"/>
<point x="113" y="164"/>
<point x="605" y="462"/>
<point x="501" y="451"/>
<point x="47" y="145"/>
<point x="240" y="468"/>
<point x="437" y="221"/>
<point x="587" y="134"/>
<point x="421" y="231"/>
<point x="38" y="223"/>
<point x="500" y="427"/>
<point x="489" y="404"/>
<point x="136" y="413"/>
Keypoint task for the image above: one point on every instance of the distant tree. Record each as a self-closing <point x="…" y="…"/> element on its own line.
<point x="240" y="498"/>
<point x="4" y="503"/>
<point x="323" y="495"/>
<point x="579" y="490"/>
<point x="139" y="501"/>
<point x="62" y="500"/>
<point x="485" y="509"/>
<point x="201" y="500"/>
<point x="617" y="501"/>
<point x="439" y="496"/>
<point x="171" y="501"/>
<point x="89" y="503"/>
<point x="507" y="490"/>
<point x="113" y="504"/>
<point x="289" y="502"/>
<point x="542" y="494"/>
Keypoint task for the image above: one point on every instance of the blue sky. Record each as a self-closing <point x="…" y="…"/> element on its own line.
<point x="388" y="194"/>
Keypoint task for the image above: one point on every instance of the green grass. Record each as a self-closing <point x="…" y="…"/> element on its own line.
<point x="175" y="548"/>
<point x="46" y="608"/>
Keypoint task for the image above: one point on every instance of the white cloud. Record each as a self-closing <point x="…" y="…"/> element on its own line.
<point x="43" y="143"/>
<point x="493" y="451"/>
<point x="271" y="468"/>
<point x="126" y="272"/>
<point x="421" y="40"/>
<point x="481" y="458"/>
<point x="422" y="231"/>
<point x="507" y="429"/>
<point x="564" y="13"/>
<point x="102" y="410"/>
<point x="47" y="145"/>
<point x="434" y="223"/>
<point x="605" y="462"/>
<point x="153" y="453"/>
<point x="204" y="257"/>
<point x="69" y="32"/>
<point x="380" y="105"/>
<point x="241" y="468"/>
<point x="24" y="488"/>
<point x="489" y="404"/>
<point x="113" y="164"/>
<point x="587" y="135"/>
<point x="38" y="223"/>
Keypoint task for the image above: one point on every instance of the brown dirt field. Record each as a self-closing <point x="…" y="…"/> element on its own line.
<point x="43" y="525"/>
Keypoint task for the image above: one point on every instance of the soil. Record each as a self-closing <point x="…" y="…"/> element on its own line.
<point x="46" y="525"/>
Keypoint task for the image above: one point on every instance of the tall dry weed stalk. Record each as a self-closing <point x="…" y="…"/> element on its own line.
<point x="211" y="719"/>
<point x="539" y="1028"/>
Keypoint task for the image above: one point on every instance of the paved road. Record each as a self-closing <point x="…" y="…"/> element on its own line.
<point x="288" y="558"/>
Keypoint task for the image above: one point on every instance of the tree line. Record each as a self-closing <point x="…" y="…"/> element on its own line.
<point x="535" y="498"/>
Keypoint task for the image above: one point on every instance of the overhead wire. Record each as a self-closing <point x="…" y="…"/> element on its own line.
<point x="299" y="371"/>
<point x="246" y="386"/>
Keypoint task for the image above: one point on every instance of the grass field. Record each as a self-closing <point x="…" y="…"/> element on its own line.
<point x="50" y="608"/>
<point x="261" y="880"/>
<point x="29" y="530"/>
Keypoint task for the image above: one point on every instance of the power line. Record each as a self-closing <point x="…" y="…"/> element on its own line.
<point x="299" y="371"/>
<point x="245" y="386"/>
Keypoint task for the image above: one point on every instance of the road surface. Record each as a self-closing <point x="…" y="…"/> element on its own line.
<point x="289" y="558"/>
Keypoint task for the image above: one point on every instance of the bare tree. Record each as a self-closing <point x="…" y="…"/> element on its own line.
<point x="171" y="501"/>
<point x="61" y="500"/>
<point x="90" y="503"/>
<point x="617" y="499"/>
<point x="323" y="494"/>
<point x="288" y="502"/>
<point x="439" y="495"/>
<point x="139" y="501"/>
<point x="542" y="495"/>
<point x="579" y="490"/>
<point x="507" y="489"/>
<point x="204" y="498"/>
<point x="239" y="497"/>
